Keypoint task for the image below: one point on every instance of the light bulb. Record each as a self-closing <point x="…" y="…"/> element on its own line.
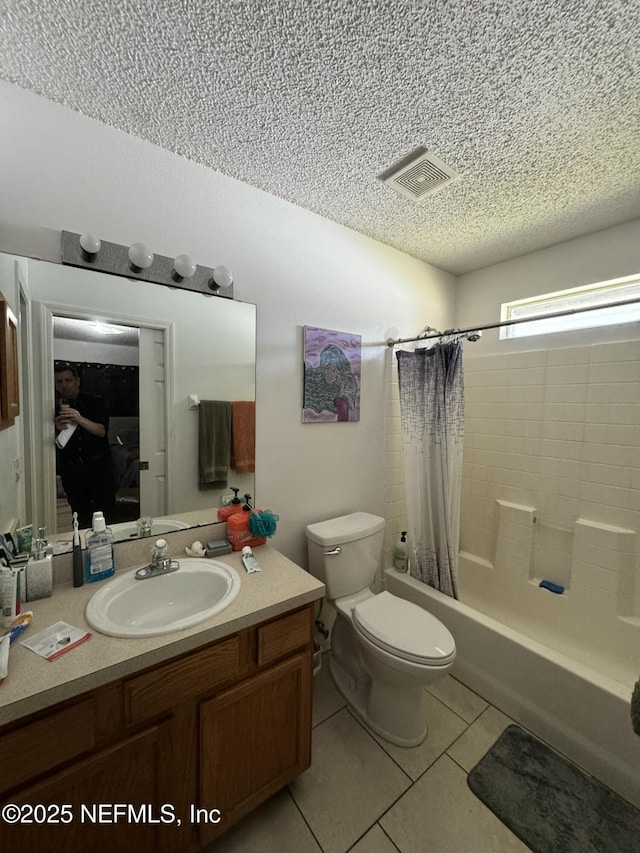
<point x="90" y="245"/>
<point x="184" y="266"/>
<point x="222" y="276"/>
<point x="141" y="258"/>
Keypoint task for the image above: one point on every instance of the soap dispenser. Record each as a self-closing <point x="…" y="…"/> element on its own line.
<point x="238" y="531"/>
<point x="233" y="506"/>
<point x="39" y="569"/>
<point x="401" y="556"/>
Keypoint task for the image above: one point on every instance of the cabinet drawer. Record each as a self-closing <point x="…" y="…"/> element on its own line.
<point x="148" y="695"/>
<point x="284" y="635"/>
<point x="39" y="747"/>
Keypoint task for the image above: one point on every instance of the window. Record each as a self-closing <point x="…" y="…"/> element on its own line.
<point x="603" y="293"/>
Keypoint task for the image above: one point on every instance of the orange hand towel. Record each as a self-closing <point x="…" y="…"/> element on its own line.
<point x="243" y="436"/>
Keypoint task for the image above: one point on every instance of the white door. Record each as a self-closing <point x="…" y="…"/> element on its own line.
<point x="153" y="428"/>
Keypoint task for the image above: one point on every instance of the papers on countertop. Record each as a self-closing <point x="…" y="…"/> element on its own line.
<point x="55" y="640"/>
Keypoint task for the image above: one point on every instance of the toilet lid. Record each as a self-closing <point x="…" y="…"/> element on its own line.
<point x="404" y="629"/>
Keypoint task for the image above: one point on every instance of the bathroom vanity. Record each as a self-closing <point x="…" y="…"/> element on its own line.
<point x="174" y="743"/>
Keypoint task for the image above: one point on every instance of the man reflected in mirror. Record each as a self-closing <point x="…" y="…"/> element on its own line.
<point x="85" y="467"/>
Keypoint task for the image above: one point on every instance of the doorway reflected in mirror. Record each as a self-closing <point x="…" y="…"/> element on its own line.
<point x="95" y="472"/>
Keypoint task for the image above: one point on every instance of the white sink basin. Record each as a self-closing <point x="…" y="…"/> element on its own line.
<point x="127" y="607"/>
<point x="129" y="529"/>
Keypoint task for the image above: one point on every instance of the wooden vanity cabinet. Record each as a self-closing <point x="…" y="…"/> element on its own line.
<point x="189" y="747"/>
<point x="73" y="809"/>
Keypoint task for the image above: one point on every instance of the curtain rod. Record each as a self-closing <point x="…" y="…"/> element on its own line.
<point x="471" y="329"/>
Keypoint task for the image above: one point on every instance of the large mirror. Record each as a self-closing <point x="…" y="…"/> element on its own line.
<point x="149" y="354"/>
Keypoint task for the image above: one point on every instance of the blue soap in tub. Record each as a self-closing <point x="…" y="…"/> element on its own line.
<point x="552" y="587"/>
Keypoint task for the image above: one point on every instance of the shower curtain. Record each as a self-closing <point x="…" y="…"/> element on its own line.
<point x="431" y="384"/>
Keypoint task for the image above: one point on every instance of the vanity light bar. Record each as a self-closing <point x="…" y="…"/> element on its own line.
<point x="119" y="260"/>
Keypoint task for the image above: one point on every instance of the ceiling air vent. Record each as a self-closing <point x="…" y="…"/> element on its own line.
<point x="419" y="175"/>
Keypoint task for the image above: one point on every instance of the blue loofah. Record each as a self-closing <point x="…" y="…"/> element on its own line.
<point x="263" y="523"/>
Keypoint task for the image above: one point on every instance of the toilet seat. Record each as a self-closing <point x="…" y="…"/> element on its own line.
<point x="404" y="630"/>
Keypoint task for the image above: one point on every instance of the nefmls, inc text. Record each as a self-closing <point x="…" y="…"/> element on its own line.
<point x="127" y="813"/>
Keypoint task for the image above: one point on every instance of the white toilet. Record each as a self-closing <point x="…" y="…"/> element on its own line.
<point x="384" y="650"/>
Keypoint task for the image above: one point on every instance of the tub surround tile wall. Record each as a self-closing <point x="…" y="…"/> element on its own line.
<point x="605" y="556"/>
<point x="551" y="557"/>
<point x="548" y="492"/>
<point x="536" y="437"/>
<point x="514" y="539"/>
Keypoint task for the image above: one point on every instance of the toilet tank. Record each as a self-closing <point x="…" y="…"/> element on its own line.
<point x="345" y="552"/>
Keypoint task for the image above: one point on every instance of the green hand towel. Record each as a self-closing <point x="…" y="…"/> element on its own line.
<point x="214" y="429"/>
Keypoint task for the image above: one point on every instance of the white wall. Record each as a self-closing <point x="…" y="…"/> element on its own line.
<point x="603" y="255"/>
<point x="101" y="353"/>
<point x="64" y="171"/>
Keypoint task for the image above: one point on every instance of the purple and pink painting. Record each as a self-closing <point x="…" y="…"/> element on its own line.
<point x="332" y="369"/>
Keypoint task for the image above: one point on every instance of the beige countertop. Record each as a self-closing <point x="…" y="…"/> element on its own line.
<point x="34" y="683"/>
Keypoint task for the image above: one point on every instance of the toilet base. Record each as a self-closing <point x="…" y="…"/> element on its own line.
<point x="358" y="696"/>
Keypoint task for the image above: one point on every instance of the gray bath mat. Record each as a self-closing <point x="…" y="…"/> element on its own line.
<point x="549" y="803"/>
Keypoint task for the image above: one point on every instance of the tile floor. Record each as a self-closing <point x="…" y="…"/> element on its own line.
<point x="364" y="795"/>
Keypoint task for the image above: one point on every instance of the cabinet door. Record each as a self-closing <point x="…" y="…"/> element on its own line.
<point x="254" y="739"/>
<point x="74" y="810"/>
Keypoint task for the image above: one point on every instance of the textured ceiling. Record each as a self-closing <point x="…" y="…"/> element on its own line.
<point x="534" y="103"/>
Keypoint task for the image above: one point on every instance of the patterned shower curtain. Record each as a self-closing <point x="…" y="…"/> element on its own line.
<point x="431" y="383"/>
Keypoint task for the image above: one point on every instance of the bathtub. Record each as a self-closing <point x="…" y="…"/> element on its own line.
<point x="580" y="712"/>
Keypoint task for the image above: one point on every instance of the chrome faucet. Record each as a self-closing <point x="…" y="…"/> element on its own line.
<point x="144" y="526"/>
<point x="160" y="564"/>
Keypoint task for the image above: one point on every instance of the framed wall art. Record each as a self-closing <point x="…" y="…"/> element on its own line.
<point x="332" y="374"/>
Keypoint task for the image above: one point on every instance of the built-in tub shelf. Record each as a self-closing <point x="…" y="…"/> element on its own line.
<point x="599" y="558"/>
<point x="596" y="563"/>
